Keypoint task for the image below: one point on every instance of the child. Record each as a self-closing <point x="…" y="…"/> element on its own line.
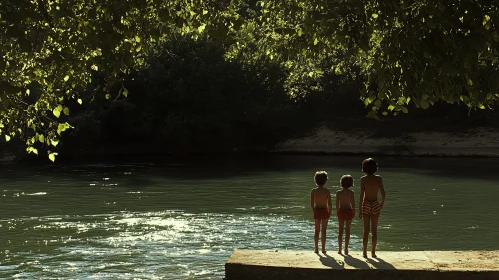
<point x="370" y="207"/>
<point x="345" y="210"/>
<point x="320" y="202"/>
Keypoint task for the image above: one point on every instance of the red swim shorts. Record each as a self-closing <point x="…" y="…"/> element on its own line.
<point x="345" y="214"/>
<point x="321" y="213"/>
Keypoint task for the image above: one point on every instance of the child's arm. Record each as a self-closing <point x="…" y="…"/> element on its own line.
<point x="329" y="202"/>
<point x="337" y="202"/>
<point x="352" y="201"/>
<point x="382" y="191"/>
<point x="362" y="191"/>
<point x="312" y="199"/>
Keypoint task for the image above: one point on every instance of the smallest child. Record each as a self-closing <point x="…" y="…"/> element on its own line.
<point x="345" y="210"/>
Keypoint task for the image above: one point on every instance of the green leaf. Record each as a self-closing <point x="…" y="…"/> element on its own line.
<point x="481" y="106"/>
<point x="80" y="101"/>
<point x="108" y="96"/>
<point x="425" y="105"/>
<point x="7" y="138"/>
<point x="52" y="157"/>
<point x="137" y="39"/>
<point x="201" y="27"/>
<point x="66" y="78"/>
<point x="62" y="127"/>
<point x="125" y="92"/>
<point x="374" y="15"/>
<point x="35" y="151"/>
<point x="41" y="138"/>
<point x="56" y="112"/>
<point x="316" y="41"/>
<point x="486" y="19"/>
<point x="404" y="109"/>
<point x="54" y="143"/>
<point x="66" y="111"/>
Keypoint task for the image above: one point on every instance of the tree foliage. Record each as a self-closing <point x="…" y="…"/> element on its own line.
<point x="409" y="53"/>
<point x="53" y="47"/>
<point x="416" y="52"/>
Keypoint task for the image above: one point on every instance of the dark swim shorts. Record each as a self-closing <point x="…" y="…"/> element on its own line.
<point x="321" y="213"/>
<point x="345" y="214"/>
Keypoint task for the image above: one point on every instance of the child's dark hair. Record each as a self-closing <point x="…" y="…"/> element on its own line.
<point x="369" y="166"/>
<point x="346" y="181"/>
<point x="320" y="178"/>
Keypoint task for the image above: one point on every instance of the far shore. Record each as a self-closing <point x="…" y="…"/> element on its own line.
<point x="474" y="142"/>
<point x="478" y="142"/>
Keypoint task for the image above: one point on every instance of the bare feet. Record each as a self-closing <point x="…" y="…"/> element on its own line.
<point x="316" y="251"/>
<point x="373" y="254"/>
<point x="339" y="251"/>
<point x="323" y="251"/>
<point x="346" y="251"/>
<point x="364" y="255"/>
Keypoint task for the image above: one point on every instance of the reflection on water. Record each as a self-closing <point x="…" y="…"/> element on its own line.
<point x="182" y="220"/>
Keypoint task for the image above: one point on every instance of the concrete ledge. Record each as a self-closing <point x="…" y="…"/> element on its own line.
<point x="291" y="265"/>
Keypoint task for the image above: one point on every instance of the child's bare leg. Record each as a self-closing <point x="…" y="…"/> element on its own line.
<point x="340" y="234"/>
<point x="365" y="237"/>
<point x="374" y="231"/>
<point x="347" y="235"/>
<point x="316" y="235"/>
<point x="323" y="235"/>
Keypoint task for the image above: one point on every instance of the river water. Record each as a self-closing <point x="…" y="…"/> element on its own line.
<point x="181" y="218"/>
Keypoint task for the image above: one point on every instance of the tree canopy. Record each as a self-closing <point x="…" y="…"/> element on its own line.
<point x="52" y="48"/>
<point x="418" y="52"/>
<point x="409" y="52"/>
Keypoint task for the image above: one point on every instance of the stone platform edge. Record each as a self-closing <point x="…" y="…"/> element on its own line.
<point x="441" y="265"/>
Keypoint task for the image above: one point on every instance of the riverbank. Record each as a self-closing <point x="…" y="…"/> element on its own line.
<point x="424" y="137"/>
<point x="474" y="142"/>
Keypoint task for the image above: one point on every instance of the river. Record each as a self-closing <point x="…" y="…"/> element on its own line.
<point x="180" y="218"/>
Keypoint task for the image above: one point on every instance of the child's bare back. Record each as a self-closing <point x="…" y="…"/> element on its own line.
<point x="345" y="197"/>
<point x="321" y="196"/>
<point x="371" y="184"/>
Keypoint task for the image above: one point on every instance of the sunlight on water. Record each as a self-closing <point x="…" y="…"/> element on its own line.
<point x="174" y="244"/>
<point x="182" y="222"/>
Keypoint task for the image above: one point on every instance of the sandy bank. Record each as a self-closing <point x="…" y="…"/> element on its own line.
<point x="475" y="142"/>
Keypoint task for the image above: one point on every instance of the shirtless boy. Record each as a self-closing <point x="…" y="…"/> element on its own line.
<point x="345" y="210"/>
<point x="320" y="202"/>
<point x="370" y="207"/>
